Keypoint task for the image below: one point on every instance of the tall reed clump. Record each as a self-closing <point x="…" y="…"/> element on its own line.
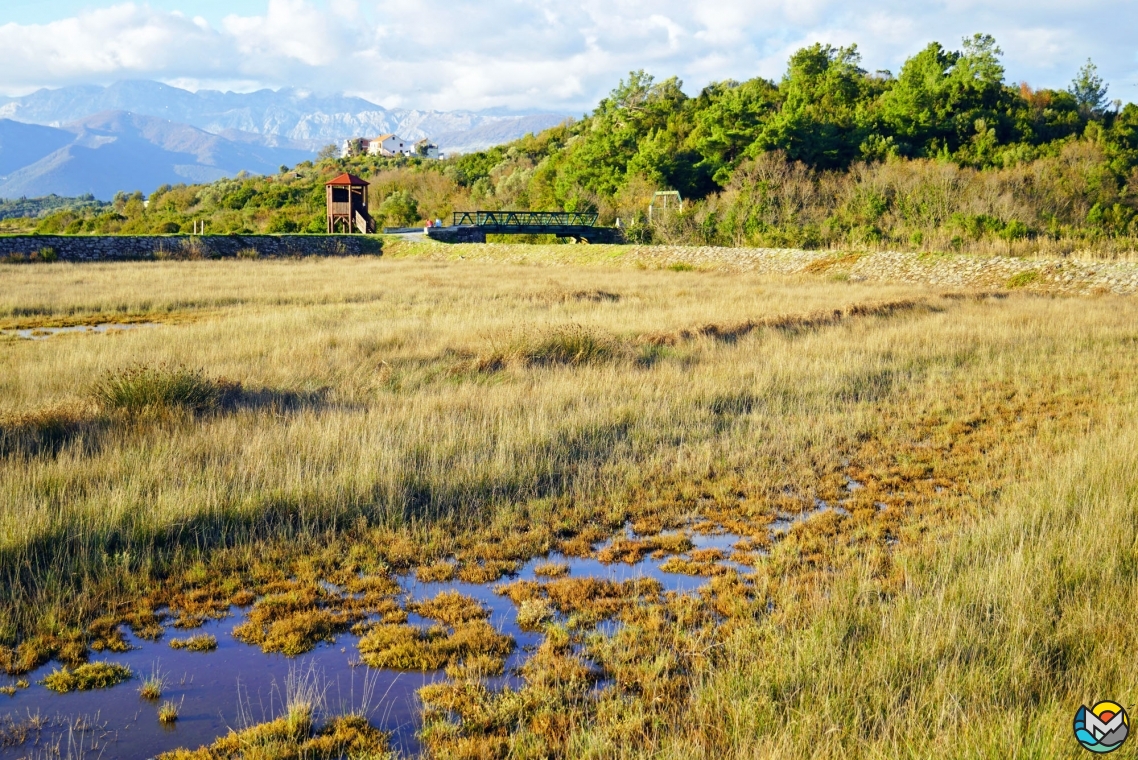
<point x="164" y="387"/>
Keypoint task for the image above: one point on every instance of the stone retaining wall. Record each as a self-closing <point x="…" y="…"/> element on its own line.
<point x="136" y="247"/>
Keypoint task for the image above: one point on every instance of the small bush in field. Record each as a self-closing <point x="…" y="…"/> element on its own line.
<point x="1023" y="279"/>
<point x="140" y="387"/>
<point x="567" y="345"/>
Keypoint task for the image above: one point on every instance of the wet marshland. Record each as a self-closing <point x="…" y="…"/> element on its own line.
<point x="236" y="684"/>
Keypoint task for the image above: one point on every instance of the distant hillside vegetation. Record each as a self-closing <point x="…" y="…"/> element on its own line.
<point x="39" y="207"/>
<point x="943" y="155"/>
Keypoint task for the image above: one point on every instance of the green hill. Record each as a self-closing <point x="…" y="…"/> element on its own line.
<point x="945" y="154"/>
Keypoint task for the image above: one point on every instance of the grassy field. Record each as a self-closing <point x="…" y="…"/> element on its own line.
<point x="290" y="422"/>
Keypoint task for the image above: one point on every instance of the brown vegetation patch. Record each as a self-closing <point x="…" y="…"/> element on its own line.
<point x="788" y="323"/>
<point x="486" y="572"/>
<point x="586" y="599"/>
<point x="295" y="616"/>
<point x="46" y="431"/>
<point x="820" y="266"/>
<point x="450" y="608"/>
<point x="408" y="647"/>
<point x="489" y="722"/>
<point x="633" y="550"/>
<point x="698" y="562"/>
<point x="204" y="643"/>
<point x="551" y="569"/>
<point x="439" y="572"/>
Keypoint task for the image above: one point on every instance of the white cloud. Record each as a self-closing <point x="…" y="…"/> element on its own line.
<point x="542" y="53"/>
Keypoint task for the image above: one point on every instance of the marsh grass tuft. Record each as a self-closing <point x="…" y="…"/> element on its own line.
<point x="436" y="572"/>
<point x="92" y="675"/>
<point x="345" y="736"/>
<point x="533" y="614"/>
<point x="296" y="733"/>
<point x="152" y="687"/>
<point x="205" y="642"/>
<point x="571" y="345"/>
<point x="169" y="711"/>
<point x="297" y="616"/>
<point x="157" y="387"/>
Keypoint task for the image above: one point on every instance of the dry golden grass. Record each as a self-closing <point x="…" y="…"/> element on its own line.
<point x="457" y="418"/>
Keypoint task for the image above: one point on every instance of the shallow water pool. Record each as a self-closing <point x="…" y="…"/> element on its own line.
<point x="219" y="690"/>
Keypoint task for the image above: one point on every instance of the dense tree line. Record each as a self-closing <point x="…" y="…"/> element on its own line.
<point x="943" y="153"/>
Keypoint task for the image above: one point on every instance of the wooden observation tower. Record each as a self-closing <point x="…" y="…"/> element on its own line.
<point x="347" y="205"/>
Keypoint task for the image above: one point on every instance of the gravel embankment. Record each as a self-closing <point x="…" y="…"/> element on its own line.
<point x="1052" y="275"/>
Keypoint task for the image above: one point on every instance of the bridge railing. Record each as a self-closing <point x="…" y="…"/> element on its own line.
<point x="503" y="219"/>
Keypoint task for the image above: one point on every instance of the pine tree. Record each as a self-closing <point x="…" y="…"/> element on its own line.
<point x="1089" y="90"/>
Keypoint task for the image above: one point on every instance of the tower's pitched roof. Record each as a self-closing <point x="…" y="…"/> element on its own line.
<point x="346" y="179"/>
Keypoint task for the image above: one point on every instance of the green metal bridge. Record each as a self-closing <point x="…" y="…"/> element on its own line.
<point x="508" y="221"/>
<point x="473" y="226"/>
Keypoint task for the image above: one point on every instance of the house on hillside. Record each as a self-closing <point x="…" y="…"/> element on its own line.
<point x="390" y="145"/>
<point x="356" y="146"/>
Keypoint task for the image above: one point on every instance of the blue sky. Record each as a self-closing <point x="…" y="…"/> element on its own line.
<point x="550" y="54"/>
<point x="41" y="12"/>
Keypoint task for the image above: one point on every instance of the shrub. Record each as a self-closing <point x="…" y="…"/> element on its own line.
<point x="1023" y="279"/>
<point x="189" y="249"/>
<point x="1015" y="230"/>
<point x="163" y="387"/>
<point x="280" y="223"/>
<point x="399" y="209"/>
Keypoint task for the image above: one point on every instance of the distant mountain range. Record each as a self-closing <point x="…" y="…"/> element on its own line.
<point x="142" y="134"/>
<point x="116" y="150"/>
